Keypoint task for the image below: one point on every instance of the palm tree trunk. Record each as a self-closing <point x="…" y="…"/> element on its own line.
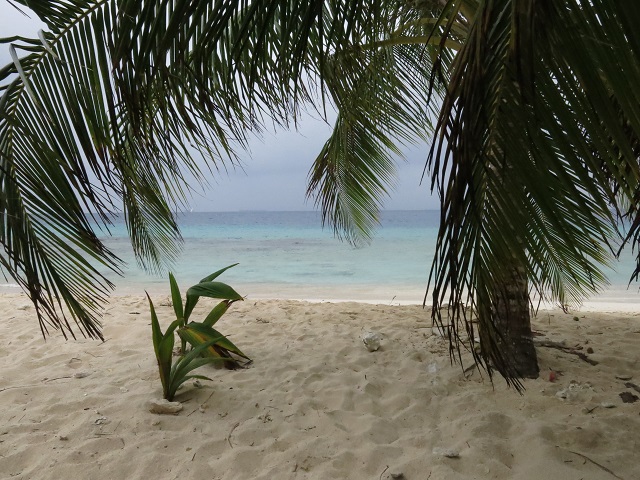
<point x="510" y="313"/>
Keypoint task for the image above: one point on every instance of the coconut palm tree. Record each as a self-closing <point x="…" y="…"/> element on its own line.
<point x="533" y="143"/>
<point x="533" y="151"/>
<point x="504" y="224"/>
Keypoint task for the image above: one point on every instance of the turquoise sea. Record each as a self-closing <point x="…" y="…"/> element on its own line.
<point x="290" y="255"/>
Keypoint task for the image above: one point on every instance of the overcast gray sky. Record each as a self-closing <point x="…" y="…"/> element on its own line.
<point x="275" y="171"/>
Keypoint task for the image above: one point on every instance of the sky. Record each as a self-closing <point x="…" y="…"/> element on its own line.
<point x="274" y="172"/>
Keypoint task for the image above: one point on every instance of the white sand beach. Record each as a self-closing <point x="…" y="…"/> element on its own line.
<point x="315" y="404"/>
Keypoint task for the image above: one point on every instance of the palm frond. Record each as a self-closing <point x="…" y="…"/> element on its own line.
<point x="70" y="144"/>
<point x="381" y="91"/>
<point x="525" y="128"/>
<point x="105" y="111"/>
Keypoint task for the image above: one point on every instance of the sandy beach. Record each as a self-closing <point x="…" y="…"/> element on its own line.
<point x="315" y="403"/>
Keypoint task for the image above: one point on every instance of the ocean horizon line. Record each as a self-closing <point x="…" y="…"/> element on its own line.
<point x="388" y="210"/>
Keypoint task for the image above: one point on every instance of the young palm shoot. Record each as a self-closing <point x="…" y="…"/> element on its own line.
<point x="200" y="333"/>
<point x="172" y="376"/>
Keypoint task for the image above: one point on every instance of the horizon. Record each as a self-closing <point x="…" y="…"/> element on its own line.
<point x="289" y="211"/>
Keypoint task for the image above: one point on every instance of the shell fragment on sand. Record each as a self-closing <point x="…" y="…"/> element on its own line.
<point x="575" y="392"/>
<point x="164" y="407"/>
<point x="372" y="340"/>
<point x="446" y="452"/>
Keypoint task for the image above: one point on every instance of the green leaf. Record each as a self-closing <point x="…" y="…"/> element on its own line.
<point x="211" y="290"/>
<point x="217" y="312"/>
<point x="197" y="333"/>
<point x="156" y="333"/>
<point x="191" y="361"/>
<point x="214" y="290"/>
<point x="163" y="348"/>
<point x="215" y="275"/>
<point x="176" y="298"/>
<point x="195" y="337"/>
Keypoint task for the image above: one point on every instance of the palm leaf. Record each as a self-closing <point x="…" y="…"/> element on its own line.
<point x="526" y="126"/>
<point x="109" y="107"/>
<point x="217" y="273"/>
<point x="380" y="90"/>
<point x="208" y="289"/>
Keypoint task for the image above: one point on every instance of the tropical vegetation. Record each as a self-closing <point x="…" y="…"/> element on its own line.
<point x="198" y="333"/>
<point x="531" y="108"/>
<point x="174" y="375"/>
<point x="208" y="344"/>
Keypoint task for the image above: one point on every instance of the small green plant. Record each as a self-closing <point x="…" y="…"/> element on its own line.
<point x="198" y="333"/>
<point x="208" y="345"/>
<point x="174" y="376"/>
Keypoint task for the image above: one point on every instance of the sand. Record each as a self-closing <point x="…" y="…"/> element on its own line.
<point x="315" y="404"/>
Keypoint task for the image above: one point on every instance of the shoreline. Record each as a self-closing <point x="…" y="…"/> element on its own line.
<point x="611" y="300"/>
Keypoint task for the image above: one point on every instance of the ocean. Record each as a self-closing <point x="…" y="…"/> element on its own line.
<point x="290" y="255"/>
